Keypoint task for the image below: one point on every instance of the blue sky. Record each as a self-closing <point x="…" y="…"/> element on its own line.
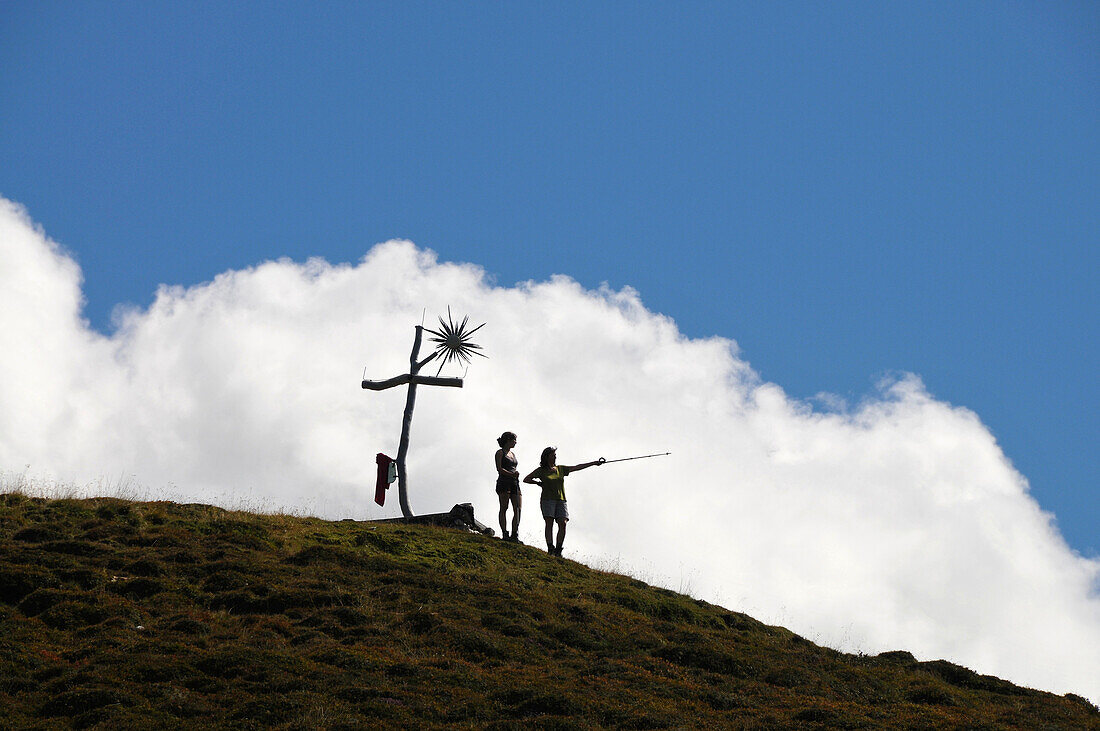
<point x="848" y="190"/>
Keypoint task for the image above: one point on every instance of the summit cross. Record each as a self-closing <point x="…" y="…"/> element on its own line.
<point x="453" y="343"/>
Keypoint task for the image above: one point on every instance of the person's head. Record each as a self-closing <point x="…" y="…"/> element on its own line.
<point x="549" y="457"/>
<point x="507" y="440"/>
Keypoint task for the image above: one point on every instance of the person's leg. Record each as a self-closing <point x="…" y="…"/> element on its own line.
<point x="503" y="515"/>
<point x="517" y="505"/>
<point x="561" y="534"/>
<point x="550" y="535"/>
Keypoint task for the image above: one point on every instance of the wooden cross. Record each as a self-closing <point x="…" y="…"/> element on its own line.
<point x="454" y="344"/>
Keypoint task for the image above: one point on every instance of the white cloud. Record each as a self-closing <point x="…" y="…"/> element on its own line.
<point x="898" y="523"/>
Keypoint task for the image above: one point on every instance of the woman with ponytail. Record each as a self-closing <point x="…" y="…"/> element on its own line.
<point x="508" y="485"/>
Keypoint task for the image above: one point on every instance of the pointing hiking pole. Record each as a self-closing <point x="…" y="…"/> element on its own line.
<point x="627" y="459"/>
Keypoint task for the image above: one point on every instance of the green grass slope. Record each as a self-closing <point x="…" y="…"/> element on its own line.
<point x="122" y="614"/>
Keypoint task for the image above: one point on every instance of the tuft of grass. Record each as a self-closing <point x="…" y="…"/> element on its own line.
<point x="116" y="613"/>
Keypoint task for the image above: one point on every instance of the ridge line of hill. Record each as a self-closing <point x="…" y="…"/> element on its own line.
<point x="118" y="613"/>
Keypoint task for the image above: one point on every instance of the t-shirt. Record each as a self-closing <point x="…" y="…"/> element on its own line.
<point x="553" y="481"/>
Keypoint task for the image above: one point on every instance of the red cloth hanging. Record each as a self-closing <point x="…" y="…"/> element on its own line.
<point x="383" y="483"/>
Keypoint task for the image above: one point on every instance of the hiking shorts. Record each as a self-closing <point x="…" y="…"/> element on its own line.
<point x="511" y="489"/>
<point x="554" y="509"/>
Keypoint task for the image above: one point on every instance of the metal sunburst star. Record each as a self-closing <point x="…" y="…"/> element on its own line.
<point x="454" y="342"/>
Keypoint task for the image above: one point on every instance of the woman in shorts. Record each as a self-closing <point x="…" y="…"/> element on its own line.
<point x="508" y="485"/>
<point x="550" y="476"/>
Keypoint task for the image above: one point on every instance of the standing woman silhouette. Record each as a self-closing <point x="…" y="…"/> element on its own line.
<point x="550" y="476"/>
<point x="508" y="485"/>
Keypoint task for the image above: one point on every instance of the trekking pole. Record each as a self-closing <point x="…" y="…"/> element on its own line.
<point x="627" y="459"/>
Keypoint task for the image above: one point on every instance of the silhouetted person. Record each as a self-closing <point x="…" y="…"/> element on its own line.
<point x="550" y="476"/>
<point x="508" y="485"/>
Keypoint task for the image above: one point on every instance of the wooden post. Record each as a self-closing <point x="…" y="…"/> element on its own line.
<point x="406" y="425"/>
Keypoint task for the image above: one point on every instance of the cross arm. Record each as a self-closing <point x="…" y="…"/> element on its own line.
<point x="407" y="378"/>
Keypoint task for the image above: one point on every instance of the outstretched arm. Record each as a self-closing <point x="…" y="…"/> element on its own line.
<point x="586" y="465"/>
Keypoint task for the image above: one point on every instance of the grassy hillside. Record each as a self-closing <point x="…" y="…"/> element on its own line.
<point x="139" y="615"/>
